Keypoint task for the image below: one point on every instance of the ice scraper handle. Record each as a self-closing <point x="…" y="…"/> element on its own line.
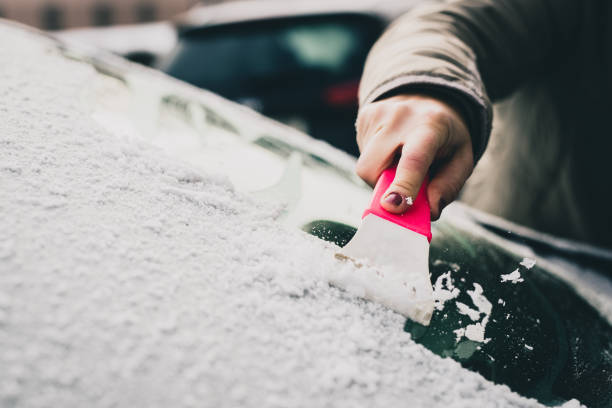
<point x="416" y="218"/>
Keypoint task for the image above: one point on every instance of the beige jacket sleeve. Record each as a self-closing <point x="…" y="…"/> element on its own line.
<point x="470" y="51"/>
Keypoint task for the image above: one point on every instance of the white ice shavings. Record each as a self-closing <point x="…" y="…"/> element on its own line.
<point x="475" y="331"/>
<point x="528" y="263"/>
<point x="466" y="310"/>
<point x="444" y="290"/>
<point x="480" y="301"/>
<point x="145" y="288"/>
<point x="459" y="334"/>
<point x="513" y="277"/>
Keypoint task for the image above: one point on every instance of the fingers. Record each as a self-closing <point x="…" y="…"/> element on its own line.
<point x="448" y="180"/>
<point x="421" y="131"/>
<point x="417" y="155"/>
<point x="376" y="156"/>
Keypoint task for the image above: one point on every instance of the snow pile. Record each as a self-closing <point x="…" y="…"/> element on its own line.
<point x="126" y="279"/>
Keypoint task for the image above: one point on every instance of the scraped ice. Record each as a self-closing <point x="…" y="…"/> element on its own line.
<point x="475" y="331"/>
<point x="127" y="282"/>
<point x="466" y="310"/>
<point x="479" y="299"/>
<point x="513" y="277"/>
<point x="444" y="290"/>
<point x="528" y="263"/>
<point x="459" y="334"/>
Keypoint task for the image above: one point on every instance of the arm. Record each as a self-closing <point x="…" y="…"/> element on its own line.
<point x="462" y="54"/>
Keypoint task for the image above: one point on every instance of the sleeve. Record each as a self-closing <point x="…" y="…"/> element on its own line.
<point x="470" y="52"/>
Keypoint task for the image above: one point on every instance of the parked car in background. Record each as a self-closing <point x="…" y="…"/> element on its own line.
<point x="296" y="61"/>
<point x="173" y="302"/>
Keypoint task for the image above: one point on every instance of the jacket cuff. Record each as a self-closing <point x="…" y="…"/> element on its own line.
<point x="475" y="108"/>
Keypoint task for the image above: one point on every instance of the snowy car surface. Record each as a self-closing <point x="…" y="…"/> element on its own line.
<point x="151" y="255"/>
<point x="142" y="43"/>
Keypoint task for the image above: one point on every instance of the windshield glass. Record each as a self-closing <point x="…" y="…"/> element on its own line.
<point x="325" y="46"/>
<point x="247" y="57"/>
<point x="508" y="319"/>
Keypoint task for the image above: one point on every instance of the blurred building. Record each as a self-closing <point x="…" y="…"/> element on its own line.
<point x="60" y="14"/>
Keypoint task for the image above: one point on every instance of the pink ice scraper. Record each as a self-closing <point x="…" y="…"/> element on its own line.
<point x="397" y="247"/>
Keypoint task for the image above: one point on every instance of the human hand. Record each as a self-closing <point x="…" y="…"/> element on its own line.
<point x="428" y="135"/>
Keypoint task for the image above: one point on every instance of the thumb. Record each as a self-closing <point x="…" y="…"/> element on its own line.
<point x="412" y="167"/>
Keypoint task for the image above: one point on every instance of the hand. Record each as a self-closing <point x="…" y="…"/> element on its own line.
<point x="428" y="135"/>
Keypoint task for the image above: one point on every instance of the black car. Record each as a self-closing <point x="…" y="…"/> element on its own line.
<point x="294" y="61"/>
<point x="542" y="305"/>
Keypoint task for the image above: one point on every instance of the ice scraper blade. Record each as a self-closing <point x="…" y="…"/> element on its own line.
<point x="397" y="249"/>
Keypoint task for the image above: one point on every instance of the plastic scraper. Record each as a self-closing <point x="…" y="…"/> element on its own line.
<point x="396" y="246"/>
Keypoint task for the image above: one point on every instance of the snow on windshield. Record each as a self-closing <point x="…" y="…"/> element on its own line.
<point x="128" y="279"/>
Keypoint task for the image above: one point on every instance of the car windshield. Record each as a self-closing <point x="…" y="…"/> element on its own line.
<point x="508" y="319"/>
<point x="248" y="57"/>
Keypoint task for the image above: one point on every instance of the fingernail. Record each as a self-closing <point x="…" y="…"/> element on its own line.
<point x="394" y="199"/>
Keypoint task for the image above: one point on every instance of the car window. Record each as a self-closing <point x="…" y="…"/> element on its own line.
<point x="244" y="58"/>
<point x="509" y="320"/>
<point x="326" y="46"/>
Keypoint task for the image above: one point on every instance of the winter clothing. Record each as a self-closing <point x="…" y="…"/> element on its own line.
<point x="547" y="65"/>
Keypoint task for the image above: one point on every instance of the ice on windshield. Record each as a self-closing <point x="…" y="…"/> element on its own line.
<point x="130" y="279"/>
